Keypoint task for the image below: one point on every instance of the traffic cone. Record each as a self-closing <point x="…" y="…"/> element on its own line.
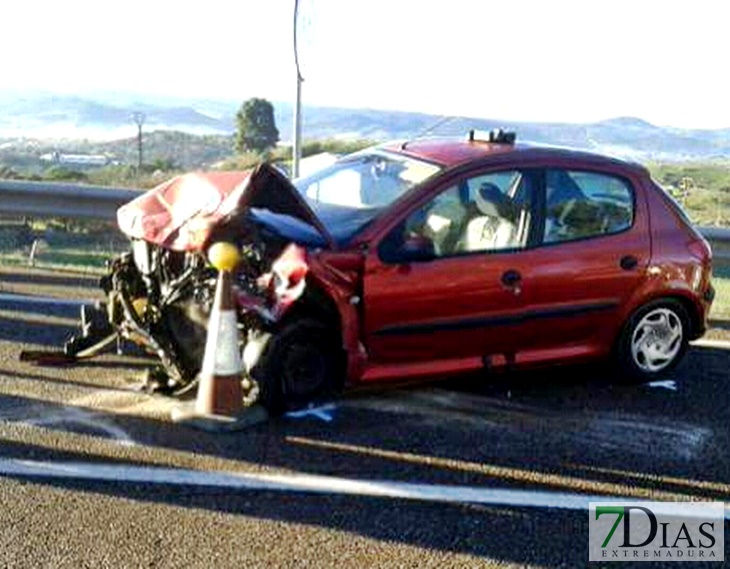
<point x="219" y="387"/>
<point x="219" y="402"/>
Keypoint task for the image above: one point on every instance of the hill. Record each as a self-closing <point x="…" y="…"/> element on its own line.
<point x="46" y="116"/>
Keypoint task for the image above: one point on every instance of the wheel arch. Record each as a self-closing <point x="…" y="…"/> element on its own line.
<point x="696" y="326"/>
<point x="621" y="351"/>
<point x="317" y="306"/>
<point x="314" y="304"/>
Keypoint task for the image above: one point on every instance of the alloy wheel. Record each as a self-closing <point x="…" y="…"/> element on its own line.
<point x="657" y="339"/>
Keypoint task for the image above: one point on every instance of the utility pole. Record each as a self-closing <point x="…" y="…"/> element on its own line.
<point x="296" y="143"/>
<point x="138" y="118"/>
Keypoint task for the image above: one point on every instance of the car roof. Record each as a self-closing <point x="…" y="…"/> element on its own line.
<point x="452" y="152"/>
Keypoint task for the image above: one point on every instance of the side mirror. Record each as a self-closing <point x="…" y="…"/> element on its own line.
<point x="417" y="248"/>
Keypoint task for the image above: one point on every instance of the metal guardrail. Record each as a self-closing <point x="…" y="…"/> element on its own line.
<point x="719" y="238"/>
<point x="715" y="233"/>
<point x="48" y="199"/>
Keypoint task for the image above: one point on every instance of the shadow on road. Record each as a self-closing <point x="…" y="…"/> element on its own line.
<point x="38" y="332"/>
<point x="569" y="430"/>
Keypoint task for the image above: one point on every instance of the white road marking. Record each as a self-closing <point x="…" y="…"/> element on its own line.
<point x="707" y="343"/>
<point x="43" y="300"/>
<point x="93" y="422"/>
<point x="307" y="483"/>
<point x="669" y="384"/>
<point x="323" y="412"/>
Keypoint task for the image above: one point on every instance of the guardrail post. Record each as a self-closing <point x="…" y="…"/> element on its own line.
<point x="33" y="251"/>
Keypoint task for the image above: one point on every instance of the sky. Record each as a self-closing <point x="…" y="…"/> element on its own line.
<point x="517" y="60"/>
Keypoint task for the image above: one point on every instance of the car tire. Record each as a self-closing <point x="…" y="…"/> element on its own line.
<point x="653" y="341"/>
<point x="301" y="364"/>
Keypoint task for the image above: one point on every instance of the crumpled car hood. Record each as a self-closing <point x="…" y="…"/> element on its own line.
<point x="181" y="213"/>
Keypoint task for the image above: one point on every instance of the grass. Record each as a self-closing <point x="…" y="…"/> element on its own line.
<point x="706" y="207"/>
<point x="75" y="258"/>
<point x="706" y="194"/>
<point x="84" y="245"/>
<point x="61" y="259"/>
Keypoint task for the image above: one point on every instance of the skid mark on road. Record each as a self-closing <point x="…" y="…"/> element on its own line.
<point x="606" y="431"/>
<point x="634" y="434"/>
<point x="302" y="483"/>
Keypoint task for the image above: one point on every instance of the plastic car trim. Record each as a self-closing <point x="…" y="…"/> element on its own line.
<point x="482" y="322"/>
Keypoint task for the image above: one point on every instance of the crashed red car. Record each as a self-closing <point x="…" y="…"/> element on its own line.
<point x="417" y="259"/>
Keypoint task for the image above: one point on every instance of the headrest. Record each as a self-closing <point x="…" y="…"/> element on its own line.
<point x="491" y="201"/>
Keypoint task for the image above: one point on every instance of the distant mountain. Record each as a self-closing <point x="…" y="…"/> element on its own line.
<point x="108" y="116"/>
<point x="65" y="116"/>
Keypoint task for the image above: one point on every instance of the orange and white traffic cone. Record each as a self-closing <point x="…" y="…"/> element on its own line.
<point x="219" y="387"/>
<point x="219" y="403"/>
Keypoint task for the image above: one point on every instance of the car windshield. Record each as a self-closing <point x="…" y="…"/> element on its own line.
<point x="352" y="192"/>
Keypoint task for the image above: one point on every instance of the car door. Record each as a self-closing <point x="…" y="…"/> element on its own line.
<point x="593" y="253"/>
<point x="444" y="283"/>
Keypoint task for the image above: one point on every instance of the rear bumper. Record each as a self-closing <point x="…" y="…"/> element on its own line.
<point x="700" y="326"/>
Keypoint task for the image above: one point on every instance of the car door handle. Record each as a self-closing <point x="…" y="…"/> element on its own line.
<point x="628" y="262"/>
<point x="511" y="278"/>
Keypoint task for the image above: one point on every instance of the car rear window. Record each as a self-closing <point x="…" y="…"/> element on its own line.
<point x="582" y="205"/>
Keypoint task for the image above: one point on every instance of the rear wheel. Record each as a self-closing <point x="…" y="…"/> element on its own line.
<point x="654" y="340"/>
<point x="301" y="364"/>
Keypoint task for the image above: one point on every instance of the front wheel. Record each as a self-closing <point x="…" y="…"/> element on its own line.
<point x="654" y="340"/>
<point x="301" y="363"/>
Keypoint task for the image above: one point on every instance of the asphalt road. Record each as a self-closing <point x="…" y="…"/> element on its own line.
<point x="86" y="458"/>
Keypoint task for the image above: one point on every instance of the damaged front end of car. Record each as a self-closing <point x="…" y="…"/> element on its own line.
<point x="159" y="295"/>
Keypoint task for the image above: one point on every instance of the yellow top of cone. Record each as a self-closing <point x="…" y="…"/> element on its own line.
<point x="224" y="256"/>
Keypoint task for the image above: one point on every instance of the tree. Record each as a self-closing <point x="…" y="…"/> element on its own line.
<point x="256" y="128"/>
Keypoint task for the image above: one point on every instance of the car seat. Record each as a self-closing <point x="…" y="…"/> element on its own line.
<point x="562" y="198"/>
<point x="493" y="227"/>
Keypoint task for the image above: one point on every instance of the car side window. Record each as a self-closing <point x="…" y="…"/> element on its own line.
<point x="580" y="205"/>
<point x="490" y="212"/>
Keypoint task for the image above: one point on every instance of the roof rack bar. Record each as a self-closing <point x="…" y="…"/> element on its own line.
<point x="495" y="136"/>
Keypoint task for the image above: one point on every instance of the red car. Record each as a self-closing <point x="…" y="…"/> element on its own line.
<point x="423" y="258"/>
